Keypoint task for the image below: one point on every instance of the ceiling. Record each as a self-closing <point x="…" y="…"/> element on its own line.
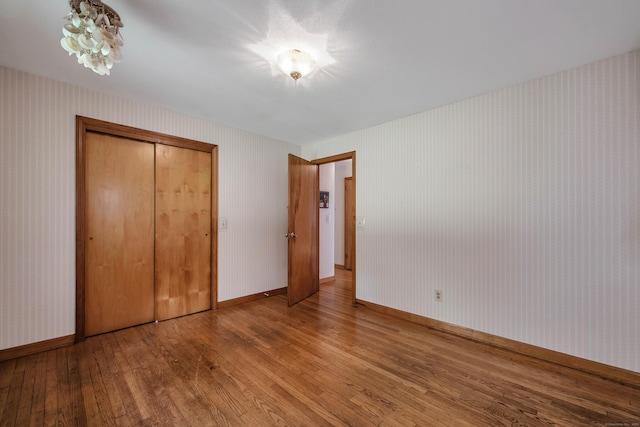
<point x="383" y="60"/>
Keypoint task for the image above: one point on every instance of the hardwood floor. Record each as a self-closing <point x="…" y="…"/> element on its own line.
<point x="321" y="362"/>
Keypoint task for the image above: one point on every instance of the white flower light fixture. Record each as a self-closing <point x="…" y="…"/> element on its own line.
<point x="92" y="34"/>
<point x="296" y="63"/>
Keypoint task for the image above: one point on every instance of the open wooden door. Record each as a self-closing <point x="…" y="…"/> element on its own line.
<point x="303" y="280"/>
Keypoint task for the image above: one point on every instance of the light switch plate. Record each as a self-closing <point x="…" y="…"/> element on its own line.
<point x="360" y="223"/>
<point x="223" y="224"/>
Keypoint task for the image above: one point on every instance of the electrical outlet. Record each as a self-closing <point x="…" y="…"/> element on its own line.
<point x="438" y="296"/>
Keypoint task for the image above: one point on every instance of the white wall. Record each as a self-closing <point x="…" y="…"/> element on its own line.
<point x="343" y="170"/>
<point x="37" y="197"/>
<point x="521" y="205"/>
<point x="327" y="183"/>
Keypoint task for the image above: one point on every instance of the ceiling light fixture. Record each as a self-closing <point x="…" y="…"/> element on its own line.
<point x="296" y="63"/>
<point x="92" y="34"/>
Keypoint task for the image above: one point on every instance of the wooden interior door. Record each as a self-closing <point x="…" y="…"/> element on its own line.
<point x="183" y="231"/>
<point x="303" y="272"/>
<point x="349" y="223"/>
<point x="119" y="179"/>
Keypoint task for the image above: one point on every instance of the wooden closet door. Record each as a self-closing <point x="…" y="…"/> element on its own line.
<point x="119" y="289"/>
<point x="183" y="231"/>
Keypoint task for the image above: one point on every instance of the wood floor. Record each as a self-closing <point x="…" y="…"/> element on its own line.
<point x="321" y="362"/>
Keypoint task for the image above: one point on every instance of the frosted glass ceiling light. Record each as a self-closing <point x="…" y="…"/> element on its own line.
<point x="92" y="34"/>
<point x="296" y="63"/>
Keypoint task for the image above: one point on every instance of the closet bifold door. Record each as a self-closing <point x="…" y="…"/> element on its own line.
<point x="183" y="231"/>
<point x="119" y="222"/>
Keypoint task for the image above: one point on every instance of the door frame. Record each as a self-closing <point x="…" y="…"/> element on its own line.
<point x="351" y="155"/>
<point x="351" y="229"/>
<point x="84" y="125"/>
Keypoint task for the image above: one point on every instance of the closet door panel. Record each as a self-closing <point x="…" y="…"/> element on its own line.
<point x="119" y="219"/>
<point x="183" y="231"/>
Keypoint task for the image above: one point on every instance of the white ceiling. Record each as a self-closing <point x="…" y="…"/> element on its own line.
<point x="390" y="59"/>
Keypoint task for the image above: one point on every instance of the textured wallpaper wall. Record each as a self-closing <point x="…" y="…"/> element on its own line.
<point x="37" y="200"/>
<point x="522" y="205"/>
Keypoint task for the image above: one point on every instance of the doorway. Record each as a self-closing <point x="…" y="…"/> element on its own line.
<point x="339" y="220"/>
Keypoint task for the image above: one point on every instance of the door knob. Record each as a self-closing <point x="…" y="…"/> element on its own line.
<point x="290" y="235"/>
